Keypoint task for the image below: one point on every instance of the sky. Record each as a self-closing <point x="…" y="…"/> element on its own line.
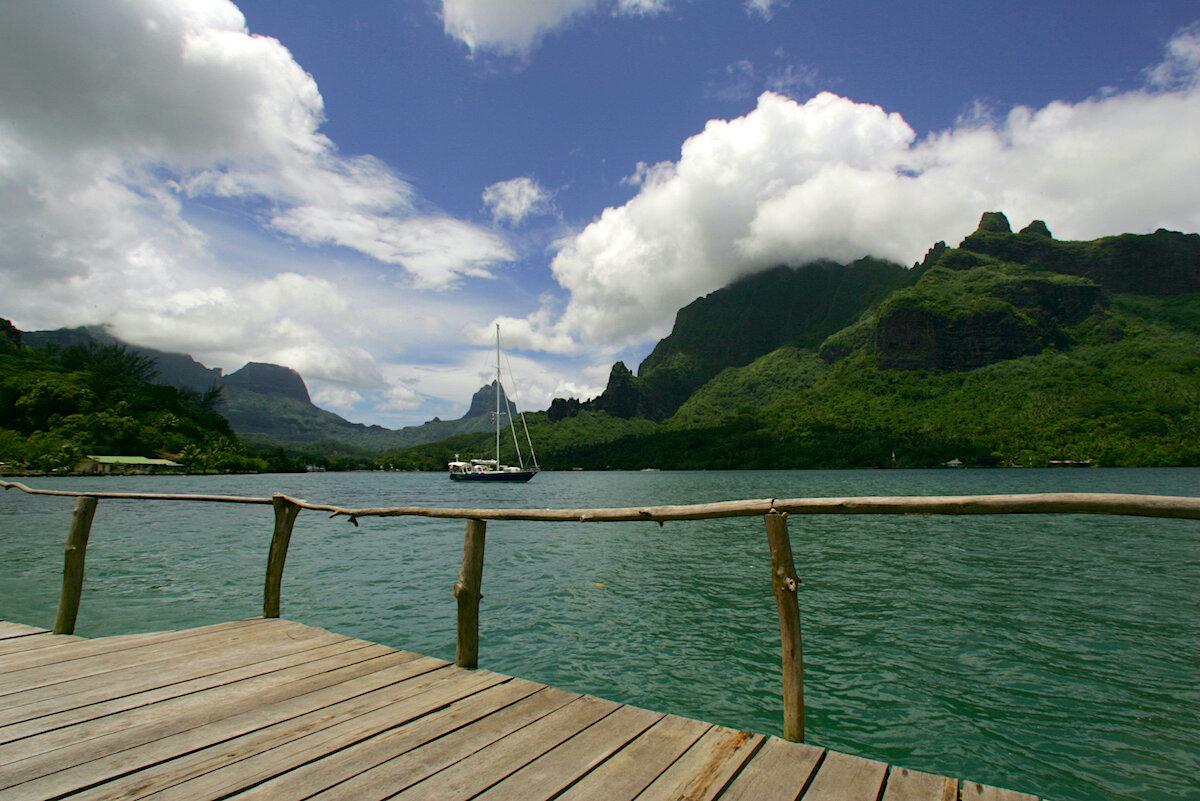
<point x="362" y="190"/>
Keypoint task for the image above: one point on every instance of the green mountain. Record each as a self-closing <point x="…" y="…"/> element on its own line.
<point x="57" y="406"/>
<point x="735" y="325"/>
<point x="1011" y="349"/>
<point x="269" y="405"/>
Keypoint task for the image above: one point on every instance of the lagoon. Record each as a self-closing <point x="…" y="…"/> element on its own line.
<point x="1053" y="654"/>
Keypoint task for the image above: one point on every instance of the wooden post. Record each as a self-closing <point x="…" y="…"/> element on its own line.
<point x="785" y="583"/>
<point x="467" y="591"/>
<point x="72" y="584"/>
<point x="285" y="519"/>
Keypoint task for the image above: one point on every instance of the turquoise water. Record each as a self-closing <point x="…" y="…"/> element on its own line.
<point x="1058" y="655"/>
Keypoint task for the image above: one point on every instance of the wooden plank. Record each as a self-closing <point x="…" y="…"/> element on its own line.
<point x="162" y="659"/>
<point x="8" y="629"/>
<point x="842" y="777"/>
<point x="706" y="768"/>
<point x="382" y="780"/>
<point x="33" y="642"/>
<point x="42" y="716"/>
<point x="357" y="717"/>
<point x="58" y="663"/>
<point x="480" y="690"/>
<point x="95" y="740"/>
<point x="779" y="770"/>
<point x="635" y="766"/>
<point x="911" y="785"/>
<point x="46" y="708"/>
<point x="275" y="710"/>
<point x="474" y="774"/>
<point x="389" y="753"/>
<point x="553" y="772"/>
<point x="106" y="758"/>
<point x="973" y="791"/>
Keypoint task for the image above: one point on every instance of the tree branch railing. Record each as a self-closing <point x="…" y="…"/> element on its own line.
<point x="467" y="590"/>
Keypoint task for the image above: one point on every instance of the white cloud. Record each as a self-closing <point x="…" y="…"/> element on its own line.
<point x="764" y="8"/>
<point x="1181" y="67"/>
<point x="400" y="397"/>
<point x="114" y="116"/>
<point x="831" y="178"/>
<point x="513" y="200"/>
<point x="302" y="321"/>
<point x="515" y="27"/>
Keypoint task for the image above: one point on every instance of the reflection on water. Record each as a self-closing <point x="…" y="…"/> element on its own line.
<point x="1053" y="654"/>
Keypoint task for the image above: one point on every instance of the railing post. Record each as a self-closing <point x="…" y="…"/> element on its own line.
<point x="285" y="519"/>
<point x="785" y="583"/>
<point x="76" y="553"/>
<point x="467" y="591"/>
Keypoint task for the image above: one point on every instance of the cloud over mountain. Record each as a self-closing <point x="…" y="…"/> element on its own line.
<point x="791" y="182"/>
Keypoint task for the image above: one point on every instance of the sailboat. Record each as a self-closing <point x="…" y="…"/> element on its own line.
<point x="492" y="469"/>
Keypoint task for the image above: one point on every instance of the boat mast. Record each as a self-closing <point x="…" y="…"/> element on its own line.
<point x="497" y="418"/>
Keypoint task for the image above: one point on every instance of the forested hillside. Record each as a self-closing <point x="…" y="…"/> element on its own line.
<point x="1012" y="349"/>
<point x="61" y="404"/>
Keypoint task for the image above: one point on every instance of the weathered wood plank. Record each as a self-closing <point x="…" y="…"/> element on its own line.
<point x="9" y="629"/>
<point x="356" y="717"/>
<point x="386" y="758"/>
<point x="301" y="750"/>
<point x="911" y="785"/>
<point x="58" y="663"/>
<point x="477" y="772"/>
<point x="842" y="777"/>
<point x="634" y="767"/>
<point x="41" y="710"/>
<point x="706" y="768"/>
<point x="275" y="710"/>
<point x="34" y="642"/>
<point x="779" y="770"/>
<point x="551" y="773"/>
<point x="113" y="683"/>
<point x="70" y="702"/>
<point x="80" y="662"/>
<point x="384" y="779"/>
<point x="973" y="791"/>
<point x="98" y="740"/>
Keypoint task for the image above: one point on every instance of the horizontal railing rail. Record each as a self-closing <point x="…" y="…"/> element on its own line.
<point x="784" y="581"/>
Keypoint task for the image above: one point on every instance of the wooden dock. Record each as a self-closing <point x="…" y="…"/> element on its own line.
<point x="272" y="709"/>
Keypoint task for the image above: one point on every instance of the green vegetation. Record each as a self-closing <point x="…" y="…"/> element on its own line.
<point x="59" y="405"/>
<point x="1013" y="349"/>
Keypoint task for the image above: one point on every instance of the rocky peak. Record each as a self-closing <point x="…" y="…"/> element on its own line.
<point x="269" y="379"/>
<point x="484" y="401"/>
<point x="994" y="222"/>
<point x="1037" y="228"/>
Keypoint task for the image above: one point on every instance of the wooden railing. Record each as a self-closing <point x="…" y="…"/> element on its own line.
<point x="784" y="581"/>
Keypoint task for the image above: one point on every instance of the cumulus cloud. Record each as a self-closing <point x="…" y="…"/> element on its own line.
<point x="113" y="117"/>
<point x="515" y="27"/>
<point x="513" y="200"/>
<point x="302" y="321"/>
<point x="831" y="178"/>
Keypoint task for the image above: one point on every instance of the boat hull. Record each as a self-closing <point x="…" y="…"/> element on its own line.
<point x="502" y="475"/>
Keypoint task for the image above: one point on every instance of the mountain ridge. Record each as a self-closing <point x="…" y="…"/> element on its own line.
<point x="269" y="404"/>
<point x="975" y="358"/>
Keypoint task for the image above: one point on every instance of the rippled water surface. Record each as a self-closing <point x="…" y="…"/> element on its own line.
<point x="1058" y="655"/>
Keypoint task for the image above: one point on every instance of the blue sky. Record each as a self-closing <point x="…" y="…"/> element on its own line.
<point x="360" y="190"/>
